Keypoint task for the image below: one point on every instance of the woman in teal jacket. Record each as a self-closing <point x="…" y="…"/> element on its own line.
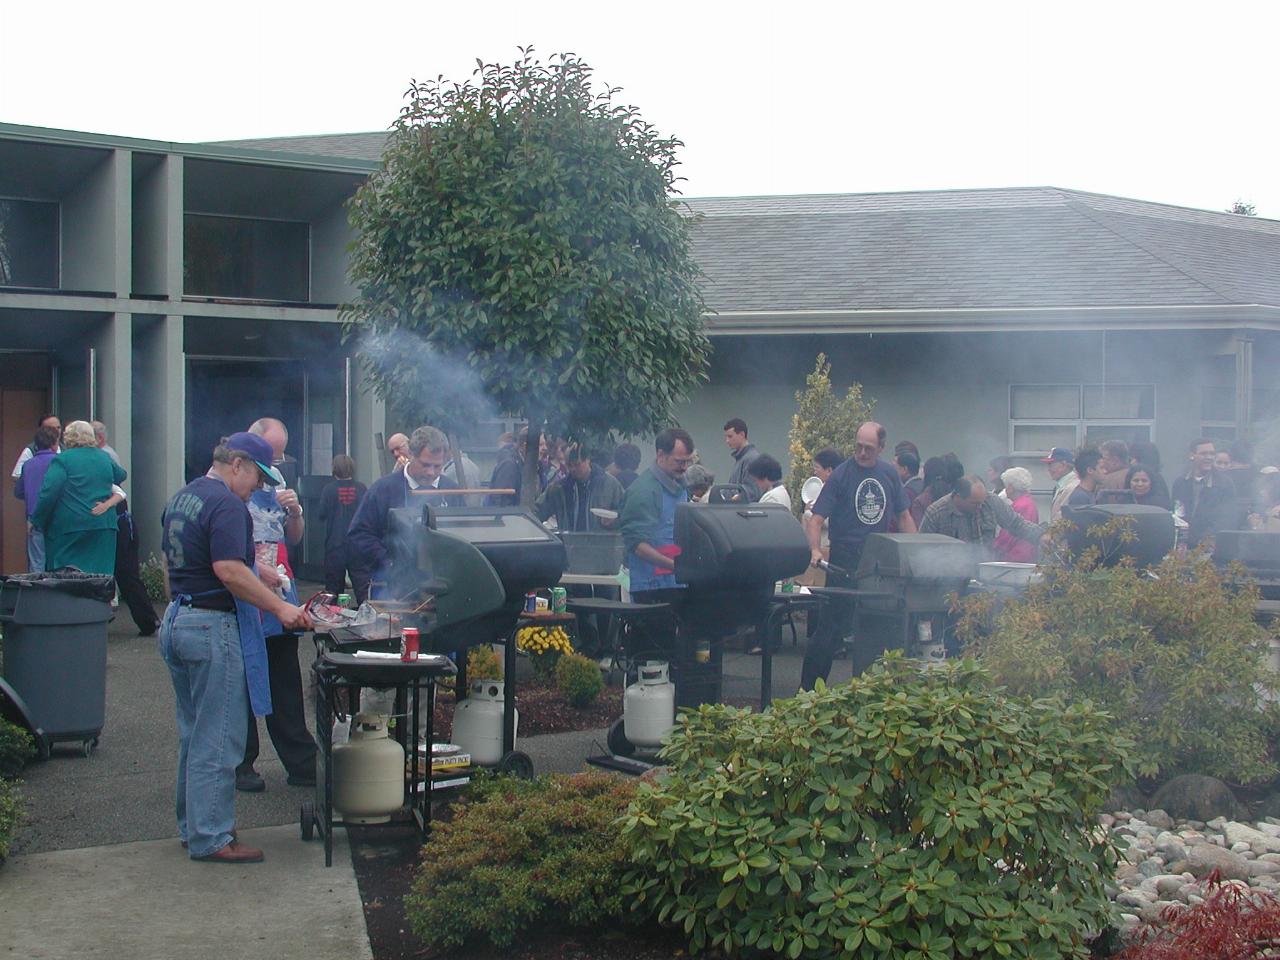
<point x="74" y="509"/>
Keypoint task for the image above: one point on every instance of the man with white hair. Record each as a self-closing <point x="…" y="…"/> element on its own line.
<point x="100" y="434"/>
<point x="398" y="447"/>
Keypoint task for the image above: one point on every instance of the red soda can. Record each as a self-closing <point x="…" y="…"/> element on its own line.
<point x="409" y="644"/>
<point x="531" y="602"/>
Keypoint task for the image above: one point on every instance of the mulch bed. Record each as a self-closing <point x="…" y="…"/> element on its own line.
<point x="385" y="859"/>
<point x="543" y="710"/>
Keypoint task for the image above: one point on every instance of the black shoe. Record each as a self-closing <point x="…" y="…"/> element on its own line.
<point x="301" y="780"/>
<point x="250" y="781"/>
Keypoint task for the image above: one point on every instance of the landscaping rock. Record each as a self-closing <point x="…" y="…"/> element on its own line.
<point x="1125" y="800"/>
<point x="1193" y="796"/>
<point x="1202" y="860"/>
<point x="1159" y="819"/>
<point x="1240" y="833"/>
<point x="1268" y="808"/>
<point x="1262" y="868"/>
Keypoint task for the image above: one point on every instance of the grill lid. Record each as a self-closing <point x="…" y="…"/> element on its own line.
<point x="916" y="556"/>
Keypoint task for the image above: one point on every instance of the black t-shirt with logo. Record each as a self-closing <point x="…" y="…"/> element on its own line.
<point x="203" y="523"/>
<point x="859" y="501"/>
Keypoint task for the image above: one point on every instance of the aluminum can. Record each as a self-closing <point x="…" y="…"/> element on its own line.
<point x="344" y="600"/>
<point x="409" y="644"/>
<point x="531" y="602"/>
<point x="559" y="600"/>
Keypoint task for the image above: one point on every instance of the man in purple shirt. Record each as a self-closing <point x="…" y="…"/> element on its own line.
<point x="28" y="490"/>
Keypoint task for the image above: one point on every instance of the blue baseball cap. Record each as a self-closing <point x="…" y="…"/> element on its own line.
<point x="1061" y="455"/>
<point x="259" y="450"/>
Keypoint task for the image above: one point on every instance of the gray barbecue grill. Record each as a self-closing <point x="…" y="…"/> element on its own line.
<point x="1259" y="552"/>
<point x="902" y="581"/>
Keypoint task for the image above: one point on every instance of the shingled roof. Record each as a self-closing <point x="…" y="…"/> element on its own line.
<point x="1016" y="249"/>
<point x="978" y="249"/>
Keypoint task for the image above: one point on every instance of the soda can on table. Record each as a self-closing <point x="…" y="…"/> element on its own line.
<point x="409" y="644"/>
<point x="531" y="602"/>
<point x="344" y="600"/>
<point x="559" y="600"/>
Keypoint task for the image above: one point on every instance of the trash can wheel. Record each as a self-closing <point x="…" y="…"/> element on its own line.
<point x="44" y="748"/>
<point x="617" y="740"/>
<point x="89" y="746"/>
<point x="517" y="764"/>
<point x="307" y="820"/>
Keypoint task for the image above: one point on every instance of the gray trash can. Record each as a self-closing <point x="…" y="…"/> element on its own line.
<point x="55" y="653"/>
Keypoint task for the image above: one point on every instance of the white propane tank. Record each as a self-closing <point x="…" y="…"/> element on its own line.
<point x="477" y="722"/>
<point x="649" y="705"/>
<point x="368" y="772"/>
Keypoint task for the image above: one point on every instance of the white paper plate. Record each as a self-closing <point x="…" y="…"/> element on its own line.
<point x="604" y="514"/>
<point x="810" y="490"/>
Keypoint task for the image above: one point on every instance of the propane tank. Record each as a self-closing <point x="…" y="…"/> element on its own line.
<point x="477" y="722"/>
<point x="368" y="772"/>
<point x="649" y="705"/>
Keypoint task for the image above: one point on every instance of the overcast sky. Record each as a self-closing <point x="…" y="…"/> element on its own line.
<point x="1162" y="101"/>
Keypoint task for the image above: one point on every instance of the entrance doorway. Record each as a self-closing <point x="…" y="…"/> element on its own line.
<point x="24" y="399"/>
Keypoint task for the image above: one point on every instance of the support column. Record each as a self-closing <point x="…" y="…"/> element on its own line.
<point x="159" y="424"/>
<point x="1244" y="387"/>
<point x="112" y="382"/>
<point x="368" y="423"/>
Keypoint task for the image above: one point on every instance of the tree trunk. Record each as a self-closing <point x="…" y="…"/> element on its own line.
<point x="530" y="483"/>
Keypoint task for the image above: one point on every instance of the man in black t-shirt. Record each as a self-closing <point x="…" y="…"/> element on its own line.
<point x="211" y="640"/>
<point x="862" y="497"/>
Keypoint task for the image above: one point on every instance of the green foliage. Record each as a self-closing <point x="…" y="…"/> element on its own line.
<point x="521" y="244"/>
<point x="905" y="814"/>
<point x="822" y="420"/>
<point x="11" y="814"/>
<point x="579" y="679"/>
<point x="16" y="748"/>
<point x="152" y="573"/>
<point x="525" y="855"/>
<point x="1176" y="658"/>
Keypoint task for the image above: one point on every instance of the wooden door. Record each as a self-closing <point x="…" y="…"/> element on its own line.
<point x="23" y="400"/>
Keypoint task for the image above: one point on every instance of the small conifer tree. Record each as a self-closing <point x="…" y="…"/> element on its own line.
<point x="822" y="420"/>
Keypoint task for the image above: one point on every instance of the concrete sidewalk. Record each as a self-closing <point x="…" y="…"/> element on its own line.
<point x="149" y="901"/>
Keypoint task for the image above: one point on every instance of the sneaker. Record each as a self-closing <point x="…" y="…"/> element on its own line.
<point x="250" y="781"/>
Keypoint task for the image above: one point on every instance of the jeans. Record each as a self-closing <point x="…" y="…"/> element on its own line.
<point x="202" y="650"/>
<point x="35" y="551"/>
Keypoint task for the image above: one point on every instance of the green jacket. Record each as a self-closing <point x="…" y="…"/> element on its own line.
<point x="78" y="480"/>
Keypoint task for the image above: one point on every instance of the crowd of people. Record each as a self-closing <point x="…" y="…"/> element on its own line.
<point x="229" y="634"/>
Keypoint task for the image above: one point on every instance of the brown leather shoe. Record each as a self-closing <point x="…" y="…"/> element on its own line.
<point x="233" y="852"/>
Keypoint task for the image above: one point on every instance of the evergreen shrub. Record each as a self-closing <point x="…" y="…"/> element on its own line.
<point x="579" y="680"/>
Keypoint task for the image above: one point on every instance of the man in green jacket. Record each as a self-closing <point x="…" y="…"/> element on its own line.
<point x="648" y="517"/>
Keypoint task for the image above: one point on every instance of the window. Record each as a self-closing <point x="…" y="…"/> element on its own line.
<point x="246" y="259"/>
<point x="28" y="243"/>
<point x="1043" y="416"/>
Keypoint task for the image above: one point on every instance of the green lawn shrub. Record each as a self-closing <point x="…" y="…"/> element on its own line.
<point x="10" y="814"/>
<point x="521" y="856"/>
<point x="17" y="748"/>
<point x="1175" y="657"/>
<point x="578" y="679"/>
<point x="151" y="571"/>
<point x="904" y="815"/>
<point x="483" y="663"/>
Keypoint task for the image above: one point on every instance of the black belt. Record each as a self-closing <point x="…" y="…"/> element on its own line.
<point x="225" y="605"/>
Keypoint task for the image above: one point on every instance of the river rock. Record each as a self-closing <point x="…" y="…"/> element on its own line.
<point x="1262" y="868"/>
<point x="1193" y="796"/>
<point x="1202" y="860"/>
<point x="1152" y="867"/>
<point x="1159" y="819"/>
<point x="1242" y="833"/>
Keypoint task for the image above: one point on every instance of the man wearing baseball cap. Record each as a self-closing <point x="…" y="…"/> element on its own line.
<point x="211" y="639"/>
<point x="1061" y="464"/>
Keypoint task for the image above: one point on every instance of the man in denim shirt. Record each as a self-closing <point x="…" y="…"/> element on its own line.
<point x="648" y="517"/>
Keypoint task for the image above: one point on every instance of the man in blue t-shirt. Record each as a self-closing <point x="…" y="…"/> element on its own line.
<point x="862" y="497"/>
<point x="211" y="639"/>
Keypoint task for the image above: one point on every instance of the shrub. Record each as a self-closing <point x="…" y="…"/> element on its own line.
<point x="900" y="815"/>
<point x="523" y="855"/>
<point x="1233" y="923"/>
<point x="152" y="573"/>
<point x="579" y="680"/>
<point x="16" y="748"/>
<point x="822" y="420"/>
<point x="10" y="814"/>
<point x="1176" y="658"/>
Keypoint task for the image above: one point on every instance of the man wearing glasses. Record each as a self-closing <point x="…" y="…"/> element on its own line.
<point x="863" y="495"/>
<point x="649" y="515"/>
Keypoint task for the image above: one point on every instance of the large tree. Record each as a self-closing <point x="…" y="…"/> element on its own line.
<point x="522" y="247"/>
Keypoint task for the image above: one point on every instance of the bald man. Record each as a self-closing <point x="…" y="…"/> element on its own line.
<point x="863" y="495"/>
<point x="398" y="447"/>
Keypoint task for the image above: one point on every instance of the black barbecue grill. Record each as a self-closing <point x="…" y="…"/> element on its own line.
<point x="1259" y="552"/>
